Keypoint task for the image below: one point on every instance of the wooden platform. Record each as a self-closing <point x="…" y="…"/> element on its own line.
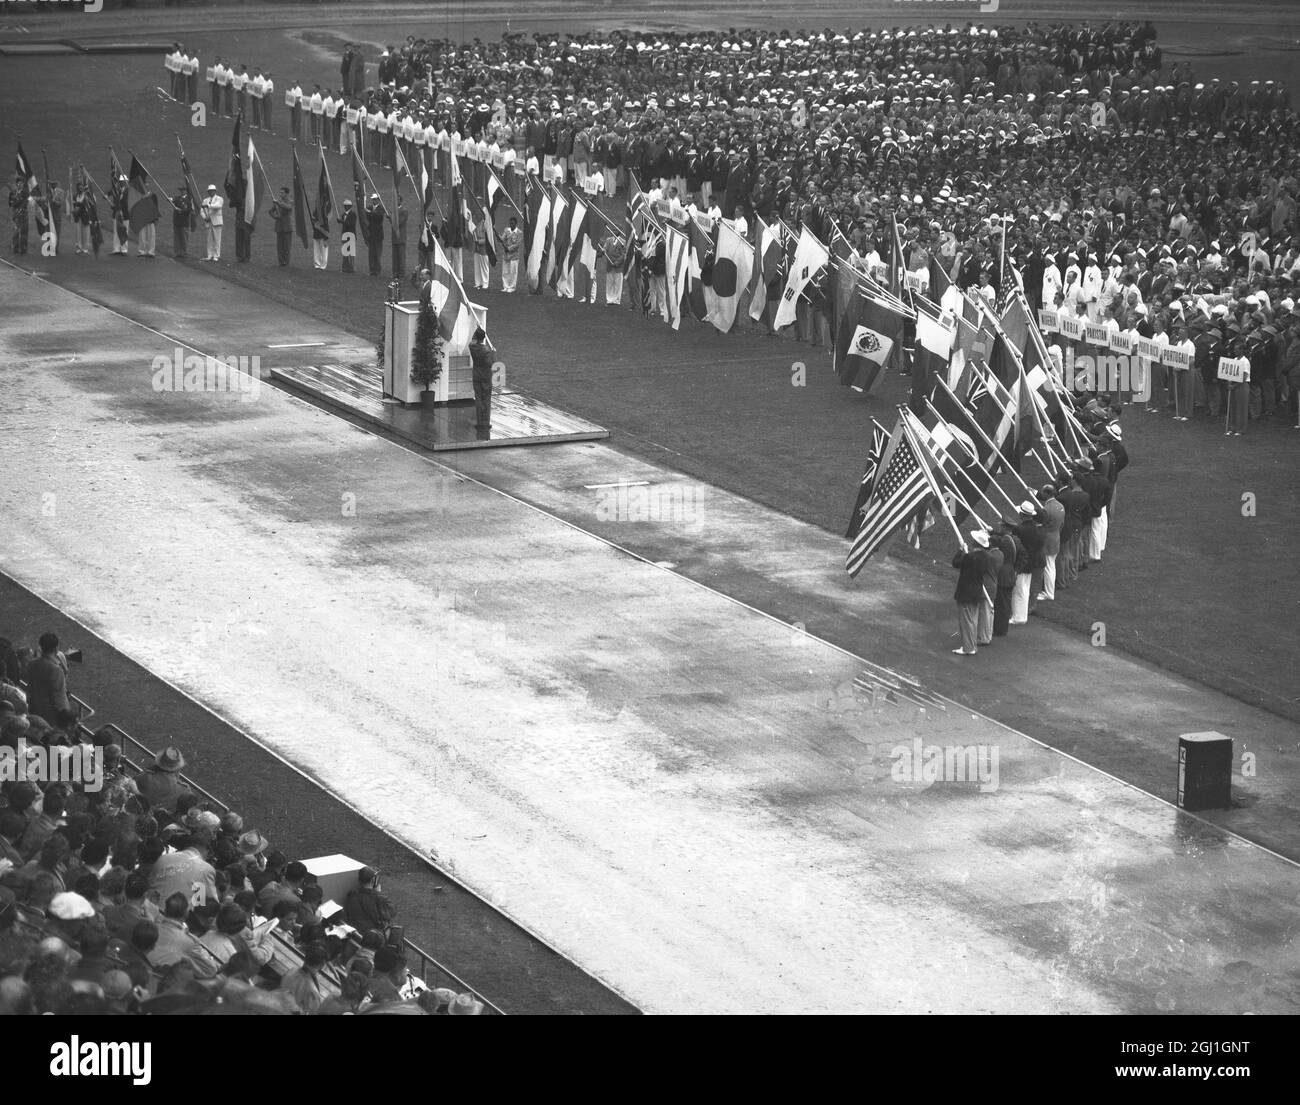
<point x="516" y="419"/>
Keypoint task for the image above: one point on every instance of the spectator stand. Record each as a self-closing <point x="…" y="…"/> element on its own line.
<point x="431" y="973"/>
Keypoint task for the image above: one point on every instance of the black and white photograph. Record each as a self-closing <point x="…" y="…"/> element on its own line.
<point x="598" y="507"/>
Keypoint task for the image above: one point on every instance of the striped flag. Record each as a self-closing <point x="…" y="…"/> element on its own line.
<point x="446" y="294"/>
<point x="538" y="202"/>
<point x="879" y="438"/>
<point x="767" y="266"/>
<point x="902" y="487"/>
<point x="676" y="265"/>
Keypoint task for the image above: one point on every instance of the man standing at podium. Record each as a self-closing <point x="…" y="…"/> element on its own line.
<point x="481" y="358"/>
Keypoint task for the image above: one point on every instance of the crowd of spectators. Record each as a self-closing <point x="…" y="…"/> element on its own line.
<point x="1108" y="165"/>
<point x="127" y="892"/>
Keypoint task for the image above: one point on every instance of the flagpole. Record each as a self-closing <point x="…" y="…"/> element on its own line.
<point x="983" y="436"/>
<point x="505" y="191"/>
<point x="992" y="483"/>
<point x="925" y="456"/>
<point x="93" y="182"/>
<point x="334" y="203"/>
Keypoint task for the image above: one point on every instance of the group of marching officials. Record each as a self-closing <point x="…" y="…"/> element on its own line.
<point x="1058" y="533"/>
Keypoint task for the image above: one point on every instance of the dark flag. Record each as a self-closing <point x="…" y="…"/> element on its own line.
<point x="879" y="437"/>
<point x="359" y="198"/>
<point x="324" y="208"/>
<point x="31" y="187"/>
<point x="301" y="204"/>
<point x="142" y="205"/>
<point x="191" y="189"/>
<point x="869" y="334"/>
<point x="117" y="193"/>
<point x="235" y="172"/>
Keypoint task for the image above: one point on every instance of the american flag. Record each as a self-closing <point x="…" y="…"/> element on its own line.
<point x="879" y="438"/>
<point x="901" y="489"/>
<point x="1010" y="285"/>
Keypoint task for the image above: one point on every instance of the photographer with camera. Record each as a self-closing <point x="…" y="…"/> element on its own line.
<point x="366" y="908"/>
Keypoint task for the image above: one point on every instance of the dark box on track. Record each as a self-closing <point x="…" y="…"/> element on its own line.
<point x="1204" y="771"/>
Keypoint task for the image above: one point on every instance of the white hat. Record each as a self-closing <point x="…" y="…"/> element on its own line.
<point x="1141" y="309"/>
<point x="212" y="187"/>
<point x="68" y="906"/>
<point x="1115" y="431"/>
<point x="980" y="537"/>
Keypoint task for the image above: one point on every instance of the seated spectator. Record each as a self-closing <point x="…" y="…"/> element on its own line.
<point x="303" y="983"/>
<point x="186" y="871"/>
<point x="95" y="961"/>
<point x="176" y="943"/>
<point x="136" y="907"/>
<point x="232" y="935"/>
<point x="366" y="908"/>
<point x="389" y="977"/>
<point x="49" y="819"/>
<point x="286" y="888"/>
<point x="160" y="786"/>
<point x="12" y="827"/>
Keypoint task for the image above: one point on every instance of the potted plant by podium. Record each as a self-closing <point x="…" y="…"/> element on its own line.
<point x="426" y="353"/>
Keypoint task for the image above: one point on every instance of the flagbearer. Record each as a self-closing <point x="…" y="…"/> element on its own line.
<point x="121" y="217"/>
<point x="511" y="240"/>
<point x="320" y="237"/>
<point x="399" y="239"/>
<point x="970" y="590"/>
<point x="374" y="217"/>
<point x="58" y="199"/>
<point x="182" y="222"/>
<point x="348" y="226"/>
<point x="482" y="273"/>
<point x="81" y="203"/>
<point x="281" y="211"/>
<point x="213" y="216"/>
<point x="615" y="250"/>
<point x="236" y="192"/>
<point x="481" y="361"/>
<point x="18" y="210"/>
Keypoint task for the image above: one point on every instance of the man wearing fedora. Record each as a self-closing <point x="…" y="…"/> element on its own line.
<point x="160" y="784"/>
<point x="1028" y="562"/>
<point x="972" y="565"/>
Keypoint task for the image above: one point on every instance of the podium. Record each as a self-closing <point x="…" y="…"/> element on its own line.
<point x="336" y="875"/>
<point x="456" y="381"/>
<point x="1204" y="771"/>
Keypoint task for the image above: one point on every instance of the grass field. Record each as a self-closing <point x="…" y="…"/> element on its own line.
<point x="1189" y="582"/>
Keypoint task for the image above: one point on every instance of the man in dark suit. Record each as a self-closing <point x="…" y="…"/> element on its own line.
<point x="1028" y="563"/>
<point x="973" y="565"/>
<point x="1053" y="518"/>
<point x="47" y="681"/>
<point x="480" y="356"/>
